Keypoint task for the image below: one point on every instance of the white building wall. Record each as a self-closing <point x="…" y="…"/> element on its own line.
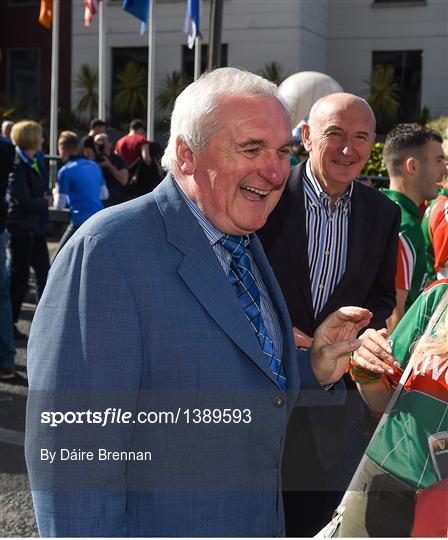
<point x="358" y="27"/>
<point x="271" y="32"/>
<point x="333" y="36"/>
<point x="313" y="36"/>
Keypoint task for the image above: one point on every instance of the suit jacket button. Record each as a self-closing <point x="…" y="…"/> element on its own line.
<point x="279" y="401"/>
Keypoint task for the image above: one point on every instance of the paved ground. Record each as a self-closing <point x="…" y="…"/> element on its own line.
<point x="16" y="511"/>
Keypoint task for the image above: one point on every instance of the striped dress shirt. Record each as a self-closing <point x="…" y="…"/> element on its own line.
<point x="268" y="313"/>
<point x="327" y="233"/>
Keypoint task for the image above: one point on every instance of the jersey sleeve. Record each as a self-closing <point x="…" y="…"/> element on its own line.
<point x="438" y="226"/>
<point x="405" y="263"/>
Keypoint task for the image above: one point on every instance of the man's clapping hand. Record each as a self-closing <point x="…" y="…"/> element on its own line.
<point x="334" y="340"/>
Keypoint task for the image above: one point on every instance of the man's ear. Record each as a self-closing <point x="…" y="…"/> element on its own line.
<point x="306" y="141"/>
<point x="185" y="157"/>
<point x="412" y="165"/>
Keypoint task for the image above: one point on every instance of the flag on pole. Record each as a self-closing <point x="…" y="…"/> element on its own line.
<point x="46" y="13"/>
<point x="192" y="18"/>
<point x="139" y="9"/>
<point x="90" y="8"/>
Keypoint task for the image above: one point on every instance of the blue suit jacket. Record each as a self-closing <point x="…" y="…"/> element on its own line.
<point x="138" y="315"/>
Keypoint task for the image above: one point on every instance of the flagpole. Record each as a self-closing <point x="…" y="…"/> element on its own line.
<point x="54" y="93"/>
<point x="151" y="61"/>
<point x="197" y="58"/>
<point x="101" y="63"/>
<point x="197" y="50"/>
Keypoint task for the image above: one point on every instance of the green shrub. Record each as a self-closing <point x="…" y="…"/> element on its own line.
<point x="375" y="165"/>
<point x="441" y="125"/>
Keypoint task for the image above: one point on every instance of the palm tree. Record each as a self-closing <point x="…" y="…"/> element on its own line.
<point x="171" y="86"/>
<point x="7" y="108"/>
<point x="131" y="88"/>
<point x="274" y="72"/>
<point x="384" y="96"/>
<point x="87" y="83"/>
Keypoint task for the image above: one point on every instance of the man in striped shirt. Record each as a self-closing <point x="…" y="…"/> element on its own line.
<point x="331" y="242"/>
<point x="414" y="159"/>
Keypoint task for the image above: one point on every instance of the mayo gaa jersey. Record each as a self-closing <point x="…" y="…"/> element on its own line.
<point x="401" y="446"/>
<point x="435" y="232"/>
<point x="411" y="260"/>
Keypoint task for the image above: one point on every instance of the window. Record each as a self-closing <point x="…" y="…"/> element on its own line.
<point x="24" y="78"/>
<point x="131" y="89"/>
<point x="408" y="75"/>
<point x="188" y="59"/>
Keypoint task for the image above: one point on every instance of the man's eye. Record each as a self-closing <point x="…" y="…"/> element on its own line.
<point x="284" y="152"/>
<point x="251" y="151"/>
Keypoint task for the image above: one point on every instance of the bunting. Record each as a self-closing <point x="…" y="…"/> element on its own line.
<point x="139" y="9"/>
<point x="90" y="8"/>
<point x="192" y="19"/>
<point x="46" y="13"/>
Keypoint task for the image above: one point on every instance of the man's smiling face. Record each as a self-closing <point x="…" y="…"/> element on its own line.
<point x="339" y="139"/>
<point x="240" y="174"/>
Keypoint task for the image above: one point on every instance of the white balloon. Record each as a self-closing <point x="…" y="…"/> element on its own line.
<point x="301" y="90"/>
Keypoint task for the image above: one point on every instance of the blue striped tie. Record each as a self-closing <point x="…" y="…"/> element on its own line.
<point x="241" y="276"/>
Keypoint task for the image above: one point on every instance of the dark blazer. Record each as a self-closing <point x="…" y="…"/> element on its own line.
<point x="7" y="154"/>
<point x="28" y="207"/>
<point x="139" y="315"/>
<point x="368" y="281"/>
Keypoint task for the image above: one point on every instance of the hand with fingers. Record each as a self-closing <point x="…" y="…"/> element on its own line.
<point x="374" y="369"/>
<point x="375" y="353"/>
<point x="302" y="340"/>
<point x="334" y="340"/>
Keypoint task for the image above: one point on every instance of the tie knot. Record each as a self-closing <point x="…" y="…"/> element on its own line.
<point x="235" y="245"/>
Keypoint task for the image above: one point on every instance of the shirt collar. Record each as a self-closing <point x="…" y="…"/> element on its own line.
<point x="211" y="232"/>
<point x="319" y="192"/>
<point x="32" y="163"/>
<point x="407" y="203"/>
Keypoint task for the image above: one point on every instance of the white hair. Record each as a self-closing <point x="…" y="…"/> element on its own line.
<point x="5" y="125"/>
<point x="195" y="115"/>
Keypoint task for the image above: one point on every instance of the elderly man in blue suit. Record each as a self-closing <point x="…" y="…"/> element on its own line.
<point x="162" y="364"/>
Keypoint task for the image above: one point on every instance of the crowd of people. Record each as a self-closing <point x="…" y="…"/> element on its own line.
<point x="93" y="175"/>
<point x="177" y="288"/>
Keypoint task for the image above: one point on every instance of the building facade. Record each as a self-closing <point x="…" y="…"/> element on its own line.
<point x="25" y="58"/>
<point x="344" y="38"/>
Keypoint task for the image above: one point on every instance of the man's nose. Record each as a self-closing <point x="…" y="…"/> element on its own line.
<point x="273" y="168"/>
<point x="347" y="148"/>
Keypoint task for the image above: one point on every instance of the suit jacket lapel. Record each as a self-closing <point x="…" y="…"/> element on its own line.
<point x="289" y="355"/>
<point x="295" y="233"/>
<point x="203" y="274"/>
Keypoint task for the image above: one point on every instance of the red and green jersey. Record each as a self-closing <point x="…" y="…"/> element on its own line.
<point x="435" y="232"/>
<point x="401" y="446"/>
<point x="411" y="260"/>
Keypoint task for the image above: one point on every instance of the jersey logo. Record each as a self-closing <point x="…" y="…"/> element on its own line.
<point x="430" y="377"/>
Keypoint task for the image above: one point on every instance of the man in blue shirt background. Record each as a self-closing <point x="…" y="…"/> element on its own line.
<point x="80" y="186"/>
